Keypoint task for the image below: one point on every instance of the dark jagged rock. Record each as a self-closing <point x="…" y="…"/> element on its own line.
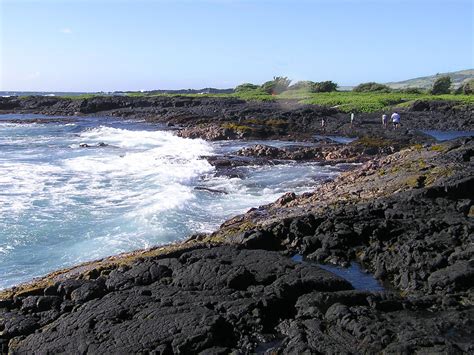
<point x="406" y="215"/>
<point x="226" y="299"/>
<point x="231" y="118"/>
<point x="415" y="236"/>
<point x="325" y="153"/>
<point x="220" y="297"/>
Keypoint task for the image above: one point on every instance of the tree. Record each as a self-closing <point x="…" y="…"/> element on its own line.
<point x="442" y="85"/>
<point x="277" y="85"/>
<point x="468" y="87"/>
<point x="324" y="86"/>
<point x="371" y="87"/>
<point x="246" y="87"/>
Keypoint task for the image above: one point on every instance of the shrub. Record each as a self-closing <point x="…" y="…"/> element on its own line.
<point x="441" y="86"/>
<point x="323" y="86"/>
<point x="411" y="90"/>
<point x="277" y="85"/>
<point x="246" y="87"/>
<point x="305" y="84"/>
<point x="467" y="88"/>
<point x="371" y="87"/>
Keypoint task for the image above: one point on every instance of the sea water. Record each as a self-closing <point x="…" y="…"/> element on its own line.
<point x="448" y="135"/>
<point x="132" y="187"/>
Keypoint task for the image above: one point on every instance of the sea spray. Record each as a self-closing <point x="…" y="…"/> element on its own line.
<point x="95" y="187"/>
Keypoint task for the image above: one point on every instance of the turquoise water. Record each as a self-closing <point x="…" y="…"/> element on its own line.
<point x="133" y="187"/>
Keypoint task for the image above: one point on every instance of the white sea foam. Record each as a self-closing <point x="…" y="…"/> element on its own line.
<point x="61" y="204"/>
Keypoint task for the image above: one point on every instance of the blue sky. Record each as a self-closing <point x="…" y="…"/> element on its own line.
<point x="94" y="45"/>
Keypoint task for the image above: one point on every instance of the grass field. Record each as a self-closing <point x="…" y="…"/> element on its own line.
<point x="369" y="102"/>
<point x="346" y="101"/>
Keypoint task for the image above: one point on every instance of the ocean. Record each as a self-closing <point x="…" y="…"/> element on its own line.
<point x="85" y="188"/>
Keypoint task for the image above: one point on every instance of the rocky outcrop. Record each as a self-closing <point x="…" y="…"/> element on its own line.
<point x="406" y="217"/>
<point x="212" y="300"/>
<point x="209" y="133"/>
<point x="325" y="153"/>
<point x="224" y="299"/>
<point x="217" y="118"/>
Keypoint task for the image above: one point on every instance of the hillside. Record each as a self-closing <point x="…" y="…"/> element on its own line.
<point x="426" y="82"/>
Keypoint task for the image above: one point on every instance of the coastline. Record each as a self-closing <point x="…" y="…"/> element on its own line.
<point x="417" y="190"/>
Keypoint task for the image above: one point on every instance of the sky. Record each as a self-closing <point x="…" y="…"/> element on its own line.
<point x="107" y="45"/>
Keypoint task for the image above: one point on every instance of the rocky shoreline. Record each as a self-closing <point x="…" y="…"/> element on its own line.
<point x="213" y="118"/>
<point x="406" y="214"/>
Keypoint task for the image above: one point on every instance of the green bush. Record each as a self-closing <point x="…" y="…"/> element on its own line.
<point x="442" y="85"/>
<point x="246" y="87"/>
<point x="300" y="85"/>
<point x="411" y="90"/>
<point x="324" y="86"/>
<point x="467" y="88"/>
<point x="277" y="85"/>
<point x="371" y="87"/>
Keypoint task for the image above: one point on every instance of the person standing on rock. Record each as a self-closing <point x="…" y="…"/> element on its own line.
<point x="352" y="119"/>
<point x="384" y="120"/>
<point x="323" y="124"/>
<point x="396" y="120"/>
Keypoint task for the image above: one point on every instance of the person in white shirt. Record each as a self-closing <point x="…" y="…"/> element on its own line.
<point x="352" y="119"/>
<point x="396" y="120"/>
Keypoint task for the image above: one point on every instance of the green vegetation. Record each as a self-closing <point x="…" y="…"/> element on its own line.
<point x="237" y="128"/>
<point x="277" y="85"/>
<point x="324" y="86"/>
<point x="418" y="147"/>
<point x="345" y="101"/>
<point x="246" y="87"/>
<point x="467" y="88"/>
<point x="441" y="86"/>
<point x="371" y="87"/>
<point x="411" y="90"/>
<point x="437" y="148"/>
<point x="366" y="97"/>
<point x="311" y="86"/>
<point x="276" y="123"/>
<point x="252" y="95"/>
<point x="302" y="85"/>
<point x="368" y="101"/>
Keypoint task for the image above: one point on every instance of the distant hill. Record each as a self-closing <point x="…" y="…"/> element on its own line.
<point x="426" y="82"/>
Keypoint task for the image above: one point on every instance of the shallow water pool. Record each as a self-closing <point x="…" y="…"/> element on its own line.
<point x="448" y="135"/>
<point x="355" y="274"/>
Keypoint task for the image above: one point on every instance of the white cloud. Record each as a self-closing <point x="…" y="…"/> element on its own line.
<point x="66" y="31"/>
